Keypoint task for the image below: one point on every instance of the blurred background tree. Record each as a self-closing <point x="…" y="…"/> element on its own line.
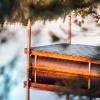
<point x="21" y="10"/>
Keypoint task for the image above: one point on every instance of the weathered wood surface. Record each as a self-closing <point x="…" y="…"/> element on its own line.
<point x="78" y="87"/>
<point x="70" y="83"/>
<point x="65" y="68"/>
<point x="66" y="76"/>
<point x="57" y="88"/>
<point x="62" y="67"/>
<point x="83" y="53"/>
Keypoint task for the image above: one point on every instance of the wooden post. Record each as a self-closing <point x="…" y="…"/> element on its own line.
<point x="69" y="29"/>
<point x="28" y="60"/>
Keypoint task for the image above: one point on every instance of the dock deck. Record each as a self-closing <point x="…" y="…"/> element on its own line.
<point x="77" y="52"/>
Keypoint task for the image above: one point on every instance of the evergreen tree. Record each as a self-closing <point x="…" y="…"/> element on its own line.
<point x="21" y="10"/>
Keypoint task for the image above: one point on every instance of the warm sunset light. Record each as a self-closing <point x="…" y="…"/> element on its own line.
<point x="49" y="49"/>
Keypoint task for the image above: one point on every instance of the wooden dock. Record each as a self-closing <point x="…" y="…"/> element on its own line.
<point x="68" y="68"/>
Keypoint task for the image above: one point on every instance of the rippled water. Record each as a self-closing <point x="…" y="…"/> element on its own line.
<point x="13" y="40"/>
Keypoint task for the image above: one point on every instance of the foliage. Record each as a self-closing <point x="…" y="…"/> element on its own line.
<point x="21" y="10"/>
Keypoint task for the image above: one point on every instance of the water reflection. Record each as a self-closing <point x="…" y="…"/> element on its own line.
<point x="13" y="61"/>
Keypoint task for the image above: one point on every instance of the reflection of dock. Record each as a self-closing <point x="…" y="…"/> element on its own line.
<point x="68" y="68"/>
<point x="51" y="65"/>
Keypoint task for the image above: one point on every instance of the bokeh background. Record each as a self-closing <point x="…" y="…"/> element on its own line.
<point x="13" y="40"/>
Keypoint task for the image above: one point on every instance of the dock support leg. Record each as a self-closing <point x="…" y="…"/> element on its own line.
<point x="28" y="89"/>
<point x="69" y="29"/>
<point x="28" y="60"/>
